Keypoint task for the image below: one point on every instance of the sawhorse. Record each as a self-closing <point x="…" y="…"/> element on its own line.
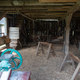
<point x="49" y="49"/>
<point x="73" y="59"/>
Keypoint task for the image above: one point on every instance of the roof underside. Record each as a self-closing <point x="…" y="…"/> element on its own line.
<point x="39" y="9"/>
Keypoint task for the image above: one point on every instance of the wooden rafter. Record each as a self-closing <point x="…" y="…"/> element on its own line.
<point x="58" y="0"/>
<point x="34" y="9"/>
<point x="32" y="3"/>
<point x="26" y="16"/>
<point x="3" y="14"/>
<point x="73" y="9"/>
<point x="21" y="13"/>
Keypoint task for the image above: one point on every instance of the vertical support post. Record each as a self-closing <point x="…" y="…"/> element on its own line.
<point x="47" y="31"/>
<point x="79" y="46"/>
<point x="68" y="20"/>
<point x="33" y="33"/>
<point x="64" y="36"/>
<point x="47" y="35"/>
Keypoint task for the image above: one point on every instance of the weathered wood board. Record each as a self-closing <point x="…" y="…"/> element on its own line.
<point x="58" y="0"/>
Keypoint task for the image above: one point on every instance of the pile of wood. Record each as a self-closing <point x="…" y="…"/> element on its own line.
<point x="4" y="40"/>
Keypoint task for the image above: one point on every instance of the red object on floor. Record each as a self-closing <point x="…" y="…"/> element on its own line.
<point x="19" y="75"/>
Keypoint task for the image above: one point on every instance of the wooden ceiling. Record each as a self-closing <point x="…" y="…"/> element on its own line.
<point x="39" y="9"/>
<point x="58" y="0"/>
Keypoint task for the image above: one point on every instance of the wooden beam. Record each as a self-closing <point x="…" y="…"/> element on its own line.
<point x="3" y="14"/>
<point x="48" y="13"/>
<point x="76" y="15"/>
<point x="21" y="13"/>
<point x="73" y="9"/>
<point x="58" y="9"/>
<point x="26" y="16"/>
<point x="54" y="7"/>
<point x="34" y="3"/>
<point x="45" y="13"/>
<point x="36" y="9"/>
<point x="57" y="1"/>
<point x="56" y="15"/>
<point x="45" y="17"/>
<point x="75" y="58"/>
<point x="66" y="7"/>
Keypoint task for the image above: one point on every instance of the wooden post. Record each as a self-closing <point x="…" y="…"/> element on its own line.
<point x="37" y="48"/>
<point x="68" y="20"/>
<point x="31" y="29"/>
<point x="42" y="48"/>
<point x="48" y="51"/>
<point x="47" y="31"/>
<point x="33" y="33"/>
<point x="64" y="36"/>
<point x="7" y="28"/>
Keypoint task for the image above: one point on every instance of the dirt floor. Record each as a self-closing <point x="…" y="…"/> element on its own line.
<point x="43" y="69"/>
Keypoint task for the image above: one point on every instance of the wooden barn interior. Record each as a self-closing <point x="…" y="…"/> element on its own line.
<point x="43" y="23"/>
